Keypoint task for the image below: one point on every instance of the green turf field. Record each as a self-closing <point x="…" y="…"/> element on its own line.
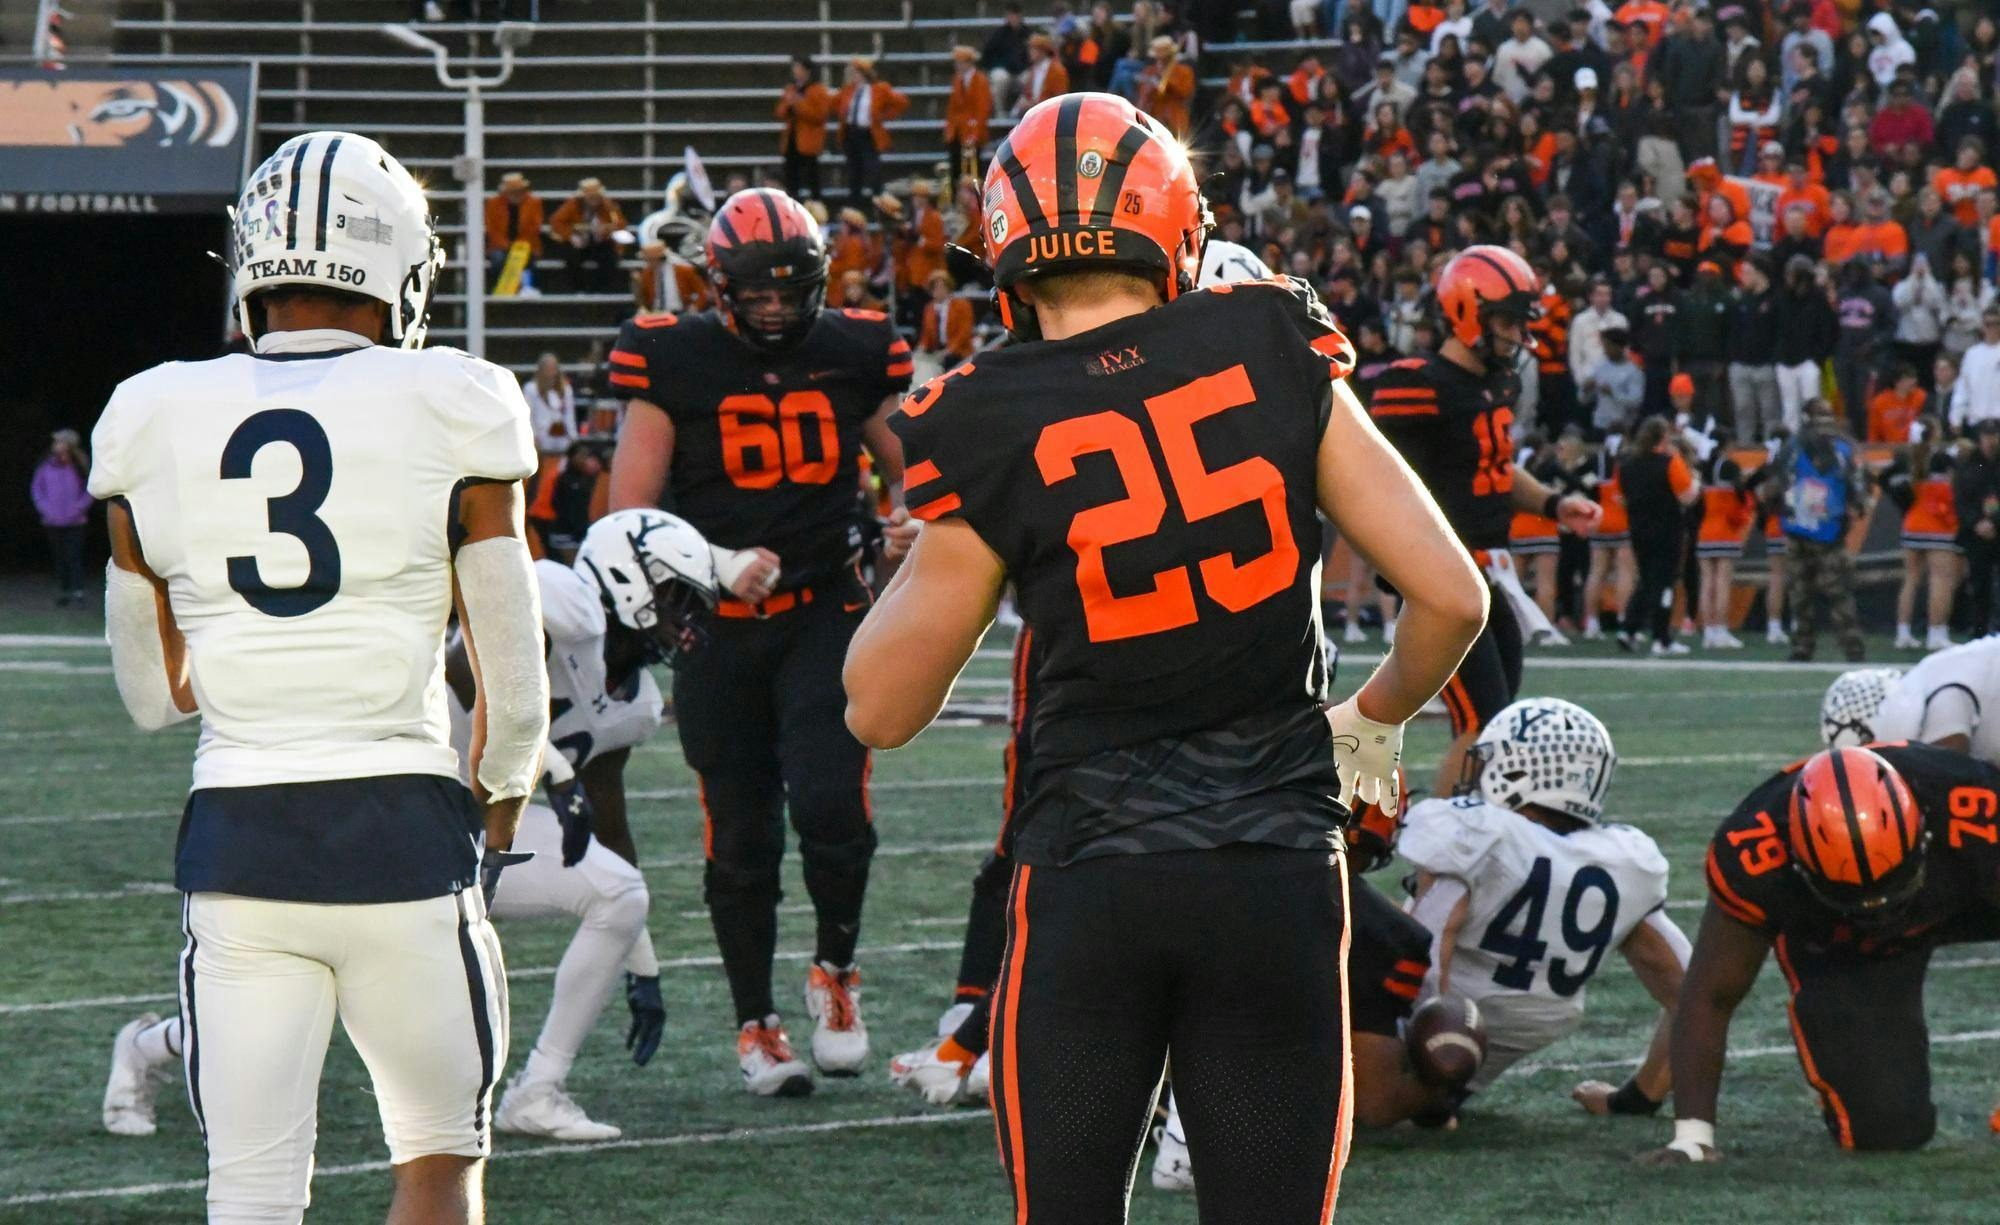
<point x="88" y="925"/>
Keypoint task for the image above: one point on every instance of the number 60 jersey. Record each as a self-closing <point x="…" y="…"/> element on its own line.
<point x="1151" y="488"/>
<point x="299" y="505"/>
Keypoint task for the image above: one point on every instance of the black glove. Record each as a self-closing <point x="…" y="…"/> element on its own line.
<point x="492" y="863"/>
<point x="649" y="1016"/>
<point x="572" y="809"/>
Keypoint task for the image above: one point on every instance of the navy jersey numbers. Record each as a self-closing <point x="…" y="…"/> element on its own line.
<point x="1169" y="603"/>
<point x="1526" y="947"/>
<point x="294" y="514"/>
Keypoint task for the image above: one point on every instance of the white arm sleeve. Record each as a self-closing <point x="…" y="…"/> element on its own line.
<point x="138" y="660"/>
<point x="1950" y="710"/>
<point x="1671" y="932"/>
<point x="504" y="610"/>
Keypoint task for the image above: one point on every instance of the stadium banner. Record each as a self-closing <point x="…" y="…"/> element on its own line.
<point x="124" y="140"/>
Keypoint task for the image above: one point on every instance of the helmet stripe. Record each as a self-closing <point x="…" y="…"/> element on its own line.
<point x="1858" y="842"/>
<point x="1113" y="181"/>
<point x="1498" y="267"/>
<point x="325" y="193"/>
<point x="1024" y="191"/>
<point x="1066" y="119"/>
<point x="292" y="204"/>
<point x="728" y="230"/>
<point x="777" y="220"/>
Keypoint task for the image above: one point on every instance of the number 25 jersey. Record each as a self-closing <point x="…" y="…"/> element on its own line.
<point x="1151" y="488"/>
<point x="298" y="506"/>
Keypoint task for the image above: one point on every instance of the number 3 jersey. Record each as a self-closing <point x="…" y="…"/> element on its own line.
<point x="1750" y="877"/>
<point x="767" y="446"/>
<point x="299" y="505"/>
<point x="1543" y="909"/>
<point x="1151" y="488"/>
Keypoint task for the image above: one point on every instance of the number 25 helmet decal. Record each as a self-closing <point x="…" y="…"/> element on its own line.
<point x="1089" y="181"/>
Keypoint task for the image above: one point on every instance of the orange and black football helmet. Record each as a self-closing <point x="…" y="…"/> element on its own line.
<point x="1856" y="835"/>
<point x="1483" y="283"/>
<point x="767" y="260"/>
<point x="1086" y="181"/>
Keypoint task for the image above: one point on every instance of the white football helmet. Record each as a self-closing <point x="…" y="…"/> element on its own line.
<point x="1548" y="752"/>
<point x="1224" y="262"/>
<point x="656" y="575"/>
<point x="334" y="210"/>
<point x="1847" y="712"/>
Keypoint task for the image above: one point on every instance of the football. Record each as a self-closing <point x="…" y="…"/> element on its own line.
<point x="1447" y="1041"/>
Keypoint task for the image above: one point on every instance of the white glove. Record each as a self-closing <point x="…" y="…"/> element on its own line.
<point x="1365" y="755"/>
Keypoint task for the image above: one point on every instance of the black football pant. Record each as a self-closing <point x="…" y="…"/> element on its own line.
<point x="1859" y="1026"/>
<point x="986" y="922"/>
<point x="762" y="721"/>
<point x="1233" y="962"/>
<point x="1652" y="603"/>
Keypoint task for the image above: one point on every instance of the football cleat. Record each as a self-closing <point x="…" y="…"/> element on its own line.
<point x="1906" y="641"/>
<point x="1353" y="633"/>
<point x="1670" y="648"/>
<point x="1173" y="1169"/>
<point x="133" y="1083"/>
<point x="1937" y="639"/>
<point x="840" y="1040"/>
<point x="541" y="1108"/>
<point x="934" y="1072"/>
<point x="770" y="1069"/>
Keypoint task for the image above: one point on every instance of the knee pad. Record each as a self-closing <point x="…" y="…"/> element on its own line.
<point x="756" y="885"/>
<point x="850" y="855"/>
<point x="1898" y="1132"/>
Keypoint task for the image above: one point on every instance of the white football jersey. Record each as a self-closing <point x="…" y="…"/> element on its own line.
<point x="586" y="718"/>
<point x="1948" y="693"/>
<point x="297" y="505"/>
<point x="1543" y="909"/>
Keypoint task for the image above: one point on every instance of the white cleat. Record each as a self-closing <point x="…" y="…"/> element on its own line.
<point x="1937" y="640"/>
<point x="840" y="1040"/>
<point x="1908" y="642"/>
<point x="770" y="1069"/>
<point x="951" y="1018"/>
<point x="979" y="1081"/>
<point x="1353" y="633"/>
<point x="1775" y="635"/>
<point x="1551" y="638"/>
<point x="1172" y="1170"/>
<point x="941" y="1081"/>
<point x="1728" y="641"/>
<point x="542" y="1108"/>
<point x="1592" y="632"/>
<point x="1663" y="649"/>
<point x="133" y="1083"/>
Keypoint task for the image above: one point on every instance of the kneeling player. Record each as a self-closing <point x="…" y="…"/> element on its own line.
<point x="1942" y="700"/>
<point x="1853" y="867"/>
<point x="1526" y="888"/>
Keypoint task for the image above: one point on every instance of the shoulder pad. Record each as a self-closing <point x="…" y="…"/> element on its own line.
<point x="1450" y="837"/>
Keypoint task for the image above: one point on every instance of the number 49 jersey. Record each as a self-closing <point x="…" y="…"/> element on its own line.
<point x="1543" y="909"/>
<point x="1151" y="488"/>
<point x="298" y="506"/>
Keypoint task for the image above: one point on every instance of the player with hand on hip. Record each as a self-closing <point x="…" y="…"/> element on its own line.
<point x="330" y="859"/>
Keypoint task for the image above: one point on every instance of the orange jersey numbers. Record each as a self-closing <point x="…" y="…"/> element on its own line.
<point x="765" y="441"/>
<point x="1201" y="492"/>
<point x="1493" y="431"/>
<point x="1972" y="811"/>
<point x="1765" y="852"/>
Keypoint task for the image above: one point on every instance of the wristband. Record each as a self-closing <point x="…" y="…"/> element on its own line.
<point x="1631" y="1099"/>
<point x="1551" y="505"/>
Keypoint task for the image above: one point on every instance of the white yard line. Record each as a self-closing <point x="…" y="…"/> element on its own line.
<point x="1753" y="1052"/>
<point x="732" y="1135"/>
<point x="54" y="640"/>
<point x="84" y="818"/>
<point x="54" y="665"/>
<point x="1634" y="663"/>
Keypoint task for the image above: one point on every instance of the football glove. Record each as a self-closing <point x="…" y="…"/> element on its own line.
<point x="649" y="1016"/>
<point x="491" y="864"/>
<point x="1366" y="755"/>
<point x="572" y="809"/>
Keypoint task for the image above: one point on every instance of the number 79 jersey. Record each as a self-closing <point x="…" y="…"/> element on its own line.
<point x="298" y="507"/>
<point x="1151" y="488"/>
<point x="1543" y="909"/>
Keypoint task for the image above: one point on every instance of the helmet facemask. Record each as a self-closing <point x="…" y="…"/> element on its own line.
<point x="674" y="624"/>
<point x="774" y="313"/>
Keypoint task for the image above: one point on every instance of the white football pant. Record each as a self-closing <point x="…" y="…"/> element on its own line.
<point x="608" y="895"/>
<point x="421" y="990"/>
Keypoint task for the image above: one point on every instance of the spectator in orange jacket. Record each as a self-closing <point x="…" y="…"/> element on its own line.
<point x="1166" y="85"/>
<point x="584" y="226"/>
<point x="1959" y="185"/>
<point x="923" y="250"/>
<point x="513" y="214"/>
<point x="1892" y="411"/>
<point x="1045" y="78"/>
<point x="804" y="107"/>
<point x="668" y="284"/>
<point x="1802" y="191"/>
<point x="966" y="112"/>
<point x="946" y="330"/>
<point x="866" y="105"/>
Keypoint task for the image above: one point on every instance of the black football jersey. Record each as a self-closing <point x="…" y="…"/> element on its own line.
<point x="1455" y="429"/>
<point x="1751" y="878"/>
<point x="766" y="447"/>
<point x="1151" y="488"/>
